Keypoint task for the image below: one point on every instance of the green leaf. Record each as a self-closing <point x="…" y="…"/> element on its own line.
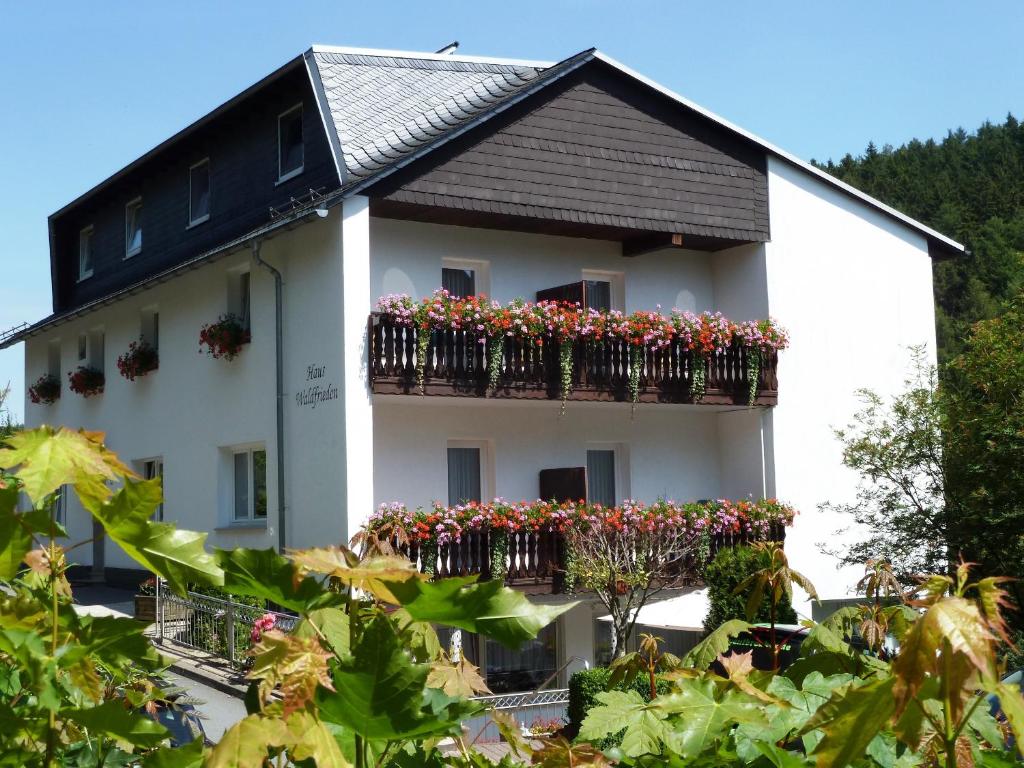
<point x="332" y="623"/>
<point x="782" y="758"/>
<point x="246" y="743"/>
<point x="176" y="555"/>
<point x="703" y="655"/>
<point x="112" y="719"/>
<point x="266" y="574"/>
<point x="1012" y="703"/>
<point x="849" y="720"/>
<point x="15" y="540"/>
<point x="643" y="721"/>
<point x="189" y="756"/>
<point x="116" y="642"/>
<point x="703" y="715"/>
<point x="48" y="458"/>
<point x="488" y="608"/>
<point x="379" y="691"/>
<point x="309" y="739"/>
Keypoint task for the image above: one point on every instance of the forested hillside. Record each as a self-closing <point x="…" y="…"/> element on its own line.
<point x="967" y="186"/>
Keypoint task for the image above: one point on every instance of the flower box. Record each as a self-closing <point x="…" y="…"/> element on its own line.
<point x="145" y="608"/>
<point x="46" y="390"/>
<point x="225" y="337"/>
<point x="140" y="359"/>
<point x="86" y="381"/>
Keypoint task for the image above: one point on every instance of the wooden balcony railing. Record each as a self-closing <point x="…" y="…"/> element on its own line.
<point x="456" y="364"/>
<point x="535" y="561"/>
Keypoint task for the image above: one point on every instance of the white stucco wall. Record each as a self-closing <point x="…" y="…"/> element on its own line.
<point x="854" y="288"/>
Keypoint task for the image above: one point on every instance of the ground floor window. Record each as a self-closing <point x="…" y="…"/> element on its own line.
<point x="250" y="484"/>
<point x="676" y="641"/>
<point x="155" y="468"/>
<point x="505" y="670"/>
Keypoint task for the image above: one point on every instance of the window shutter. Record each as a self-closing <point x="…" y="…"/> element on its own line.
<point x="565" y="484"/>
<point x="574" y="293"/>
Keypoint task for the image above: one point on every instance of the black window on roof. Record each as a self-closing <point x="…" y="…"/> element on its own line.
<point x="291" y="155"/>
<point x="199" y="192"/>
<point x="458" y="282"/>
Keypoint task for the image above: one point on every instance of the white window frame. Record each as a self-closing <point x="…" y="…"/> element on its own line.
<point x="296" y="171"/>
<point x="192" y="221"/>
<point x="85" y="236"/>
<point x="129" y="206"/>
<point x="481" y="272"/>
<point x="487" y="487"/>
<point x="248" y="451"/>
<point x="622" y="474"/>
<point x="617" y="281"/>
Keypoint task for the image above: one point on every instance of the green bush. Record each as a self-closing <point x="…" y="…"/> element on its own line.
<point x="583" y="689"/>
<point x="730" y="567"/>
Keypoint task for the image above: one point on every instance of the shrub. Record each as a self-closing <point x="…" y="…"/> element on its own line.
<point x="584" y="686"/>
<point x="731" y="566"/>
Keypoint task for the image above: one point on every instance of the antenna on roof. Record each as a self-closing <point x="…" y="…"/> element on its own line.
<point x="452" y="47"/>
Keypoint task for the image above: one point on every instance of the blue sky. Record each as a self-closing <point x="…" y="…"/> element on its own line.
<point x="88" y="87"/>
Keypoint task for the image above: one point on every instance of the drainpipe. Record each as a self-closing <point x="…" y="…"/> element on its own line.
<point x="279" y="370"/>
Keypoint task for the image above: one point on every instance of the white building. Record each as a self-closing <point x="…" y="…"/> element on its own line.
<point x="353" y="174"/>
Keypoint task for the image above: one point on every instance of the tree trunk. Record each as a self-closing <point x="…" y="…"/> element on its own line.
<point x="620" y="631"/>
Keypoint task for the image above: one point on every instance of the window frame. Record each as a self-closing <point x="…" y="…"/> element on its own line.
<point x="134" y="204"/>
<point x="192" y="221"/>
<point x="616" y="283"/>
<point x="622" y="474"/>
<point x="283" y="177"/>
<point x="486" y="448"/>
<point x="251" y="517"/>
<point x="85" y="236"/>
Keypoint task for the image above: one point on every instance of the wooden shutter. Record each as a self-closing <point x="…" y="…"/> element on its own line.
<point x="565" y="484"/>
<point x="574" y="293"/>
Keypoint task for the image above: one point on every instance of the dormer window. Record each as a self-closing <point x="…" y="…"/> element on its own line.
<point x="133" y="227"/>
<point x="199" y="192"/>
<point x="85" y="253"/>
<point x="290" y="151"/>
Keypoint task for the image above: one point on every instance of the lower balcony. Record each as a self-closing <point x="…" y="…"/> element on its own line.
<point x="456" y="364"/>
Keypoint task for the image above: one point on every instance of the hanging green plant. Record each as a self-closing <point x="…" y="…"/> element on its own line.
<point x="499" y="554"/>
<point x="422" y="342"/>
<point x="565" y="369"/>
<point x="495" y="353"/>
<point x="699" y="381"/>
<point x="572" y="570"/>
<point x="428" y="554"/>
<point x="636" y="359"/>
<point x="753" y="371"/>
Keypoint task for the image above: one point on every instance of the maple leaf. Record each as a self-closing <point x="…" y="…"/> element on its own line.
<point x="369" y="575"/>
<point x="459" y="679"/>
<point x="738" y="668"/>
<point x="296" y="664"/>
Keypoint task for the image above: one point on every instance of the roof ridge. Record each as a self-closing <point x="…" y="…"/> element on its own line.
<point x="429" y="56"/>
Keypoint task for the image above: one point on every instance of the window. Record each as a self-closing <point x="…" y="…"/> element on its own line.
<point x="85" y="253"/>
<point x="155" y="468"/>
<point x="60" y="505"/>
<point x="133" y="227"/>
<point x="151" y="327"/>
<point x="463" y="475"/>
<point x="290" y="153"/>
<point x="458" y="282"/>
<point x="601" y="477"/>
<point x="53" y="358"/>
<point x="199" y="192"/>
<point x="250" y="484"/>
<point x="604" y="290"/>
<point x="465" y="277"/>
<point x="83" y="347"/>
<point x="96" y="347"/>
<point x="525" y="669"/>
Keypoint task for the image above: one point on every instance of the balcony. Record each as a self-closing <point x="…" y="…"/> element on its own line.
<point x="456" y="365"/>
<point x="535" y="562"/>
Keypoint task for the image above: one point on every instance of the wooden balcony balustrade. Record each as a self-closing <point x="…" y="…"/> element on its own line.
<point x="456" y="365"/>
<point x="535" y="561"/>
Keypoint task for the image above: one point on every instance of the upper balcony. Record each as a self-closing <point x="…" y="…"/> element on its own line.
<point x="457" y="364"/>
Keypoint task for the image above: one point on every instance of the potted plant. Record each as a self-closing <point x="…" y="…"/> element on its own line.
<point x="140" y="359"/>
<point x="145" y="601"/>
<point x="86" y="381"/>
<point x="46" y="389"/>
<point x="225" y="337"/>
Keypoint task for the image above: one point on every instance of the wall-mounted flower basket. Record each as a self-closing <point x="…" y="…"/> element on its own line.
<point x="225" y="337"/>
<point x="86" y="381"/>
<point x="46" y="390"/>
<point x="140" y="359"/>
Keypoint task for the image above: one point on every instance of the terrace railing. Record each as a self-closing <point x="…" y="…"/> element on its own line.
<point x="536" y="560"/>
<point x="456" y="364"/>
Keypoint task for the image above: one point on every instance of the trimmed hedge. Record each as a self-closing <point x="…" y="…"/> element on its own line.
<point x="584" y="686"/>
<point x="730" y="567"/>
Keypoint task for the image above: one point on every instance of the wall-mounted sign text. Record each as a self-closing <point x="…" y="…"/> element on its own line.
<point x="317" y="388"/>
